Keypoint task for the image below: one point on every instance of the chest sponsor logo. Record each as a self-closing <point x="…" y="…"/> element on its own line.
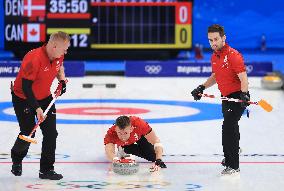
<point x="46" y="69"/>
<point x="225" y="63"/>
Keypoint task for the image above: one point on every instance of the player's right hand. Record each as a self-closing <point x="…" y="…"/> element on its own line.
<point x="245" y="97"/>
<point x="197" y="91"/>
<point x="158" y="164"/>
<point x="39" y="114"/>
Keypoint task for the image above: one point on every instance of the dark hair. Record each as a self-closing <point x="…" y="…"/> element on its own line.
<point x="216" y="28"/>
<point x="122" y="122"/>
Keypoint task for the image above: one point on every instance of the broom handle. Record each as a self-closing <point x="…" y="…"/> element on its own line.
<point x="227" y="99"/>
<point x="44" y="114"/>
<point x="56" y="95"/>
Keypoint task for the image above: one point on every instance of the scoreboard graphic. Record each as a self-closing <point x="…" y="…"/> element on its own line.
<point x="100" y="24"/>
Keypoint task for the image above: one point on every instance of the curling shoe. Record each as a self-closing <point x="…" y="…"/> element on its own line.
<point x="17" y="169"/>
<point x="51" y="175"/>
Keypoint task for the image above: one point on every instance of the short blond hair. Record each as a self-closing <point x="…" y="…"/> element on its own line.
<point x="59" y="35"/>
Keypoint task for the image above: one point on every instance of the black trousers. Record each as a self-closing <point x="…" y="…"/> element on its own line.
<point x="142" y="148"/>
<point x="27" y="119"/>
<point x="232" y="113"/>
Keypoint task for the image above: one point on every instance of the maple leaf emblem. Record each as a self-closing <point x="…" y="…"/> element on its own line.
<point x="33" y="32"/>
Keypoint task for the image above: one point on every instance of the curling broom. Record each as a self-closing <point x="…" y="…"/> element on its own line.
<point x="55" y="96"/>
<point x="262" y="103"/>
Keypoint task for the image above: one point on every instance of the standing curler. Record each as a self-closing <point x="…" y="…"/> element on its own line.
<point x="31" y="96"/>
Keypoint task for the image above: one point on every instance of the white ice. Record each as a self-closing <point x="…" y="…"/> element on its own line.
<point x="193" y="149"/>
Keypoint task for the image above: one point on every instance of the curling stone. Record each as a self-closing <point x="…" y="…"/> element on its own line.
<point x="271" y="82"/>
<point x="125" y="166"/>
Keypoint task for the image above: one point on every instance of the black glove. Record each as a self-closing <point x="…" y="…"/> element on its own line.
<point x="199" y="90"/>
<point x="160" y="163"/>
<point x="245" y="97"/>
<point x="63" y="87"/>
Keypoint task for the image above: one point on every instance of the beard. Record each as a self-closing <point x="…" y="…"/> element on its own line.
<point x="124" y="138"/>
<point x="217" y="48"/>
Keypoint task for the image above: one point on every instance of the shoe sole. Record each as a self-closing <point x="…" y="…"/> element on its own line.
<point x="235" y="175"/>
<point x="17" y="174"/>
<point x="46" y="178"/>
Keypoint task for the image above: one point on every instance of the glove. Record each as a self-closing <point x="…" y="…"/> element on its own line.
<point x="199" y="90"/>
<point x="158" y="164"/>
<point x="245" y="97"/>
<point x="63" y="87"/>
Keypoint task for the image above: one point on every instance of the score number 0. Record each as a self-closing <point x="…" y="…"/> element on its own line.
<point x="183" y="22"/>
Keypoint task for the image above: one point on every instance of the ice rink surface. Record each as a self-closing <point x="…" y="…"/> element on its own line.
<point x="190" y="132"/>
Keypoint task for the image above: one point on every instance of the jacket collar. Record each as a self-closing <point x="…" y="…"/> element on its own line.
<point x="222" y="51"/>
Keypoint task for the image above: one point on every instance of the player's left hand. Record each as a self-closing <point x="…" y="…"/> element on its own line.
<point x="63" y="87"/>
<point x="196" y="93"/>
<point x="158" y="164"/>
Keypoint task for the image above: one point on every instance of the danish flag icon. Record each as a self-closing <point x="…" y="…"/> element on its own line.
<point x="34" y="8"/>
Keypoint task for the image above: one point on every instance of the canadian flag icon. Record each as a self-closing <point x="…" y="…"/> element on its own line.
<point x="34" y="32"/>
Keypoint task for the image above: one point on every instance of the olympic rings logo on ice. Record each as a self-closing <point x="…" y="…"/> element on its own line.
<point x="93" y="184"/>
<point x="249" y="68"/>
<point x="153" y="69"/>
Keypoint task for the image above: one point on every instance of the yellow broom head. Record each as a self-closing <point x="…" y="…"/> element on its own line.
<point x="28" y="139"/>
<point x="266" y="106"/>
